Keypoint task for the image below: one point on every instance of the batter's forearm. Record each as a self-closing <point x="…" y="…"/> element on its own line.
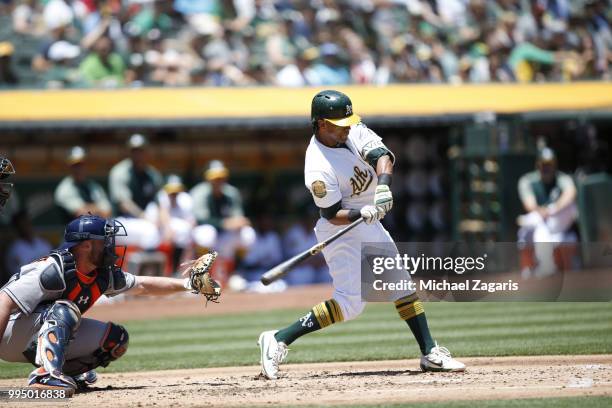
<point x="384" y="166"/>
<point x="342" y="217"/>
<point x="157" y="286"/>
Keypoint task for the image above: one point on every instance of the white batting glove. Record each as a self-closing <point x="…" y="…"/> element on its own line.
<point x="371" y="213"/>
<point x="383" y="198"/>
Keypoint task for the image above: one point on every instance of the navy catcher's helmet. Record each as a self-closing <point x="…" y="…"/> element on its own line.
<point x="90" y="226"/>
<point x="6" y="170"/>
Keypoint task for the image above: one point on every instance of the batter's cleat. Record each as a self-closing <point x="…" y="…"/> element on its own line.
<point x="86" y="379"/>
<point x="40" y="378"/>
<point x="439" y="359"/>
<point x="272" y="354"/>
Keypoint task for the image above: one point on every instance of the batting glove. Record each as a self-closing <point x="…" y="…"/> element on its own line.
<point x="383" y="198"/>
<point x="371" y="213"/>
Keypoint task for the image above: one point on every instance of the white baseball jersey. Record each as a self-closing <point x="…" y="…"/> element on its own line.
<point x="343" y="174"/>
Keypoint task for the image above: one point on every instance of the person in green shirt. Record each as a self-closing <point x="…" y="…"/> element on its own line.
<point x="77" y="194"/>
<point x="549" y="198"/>
<point x="103" y="66"/>
<point x="217" y="207"/>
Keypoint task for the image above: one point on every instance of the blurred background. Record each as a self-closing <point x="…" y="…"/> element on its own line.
<point x="466" y="93"/>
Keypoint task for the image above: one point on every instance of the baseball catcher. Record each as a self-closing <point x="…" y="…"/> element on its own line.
<point x="42" y="306"/>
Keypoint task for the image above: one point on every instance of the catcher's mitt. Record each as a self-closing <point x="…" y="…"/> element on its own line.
<point x="199" y="278"/>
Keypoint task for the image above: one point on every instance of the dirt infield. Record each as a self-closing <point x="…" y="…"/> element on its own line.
<point x="373" y="382"/>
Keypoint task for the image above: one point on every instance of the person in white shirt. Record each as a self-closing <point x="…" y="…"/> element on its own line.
<point x="172" y="212"/>
<point x="348" y="170"/>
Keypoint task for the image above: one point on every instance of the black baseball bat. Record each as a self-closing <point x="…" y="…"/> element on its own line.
<point x="282" y="269"/>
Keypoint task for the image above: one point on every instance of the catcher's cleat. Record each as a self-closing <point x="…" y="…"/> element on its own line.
<point x="86" y="379"/>
<point x="272" y="354"/>
<point x="40" y="378"/>
<point x="439" y="359"/>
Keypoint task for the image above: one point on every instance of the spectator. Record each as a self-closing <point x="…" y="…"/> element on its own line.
<point x="294" y="74"/>
<point x="77" y="194"/>
<point x="257" y="42"/>
<point x="27" y="246"/>
<point x="549" y="198"/>
<point x="217" y="207"/>
<point x="62" y="73"/>
<point x="103" y="67"/>
<point x="58" y="17"/>
<point x="133" y="184"/>
<point x="331" y="70"/>
<point x="173" y="214"/>
<point x="27" y="18"/>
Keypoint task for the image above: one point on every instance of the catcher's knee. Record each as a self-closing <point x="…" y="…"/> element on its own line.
<point x="114" y="344"/>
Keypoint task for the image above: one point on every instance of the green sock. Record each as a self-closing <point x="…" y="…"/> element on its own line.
<point x="320" y="316"/>
<point x="420" y="330"/>
<point x="411" y="311"/>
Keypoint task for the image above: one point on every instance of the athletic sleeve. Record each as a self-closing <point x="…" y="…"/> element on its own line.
<point x="118" y="184"/>
<point x="67" y="196"/>
<point x="236" y="200"/>
<point x="369" y="144"/>
<point x="324" y="188"/>
<point x="120" y="282"/>
<point x="27" y="290"/>
<point x="565" y="181"/>
<point x="524" y="188"/>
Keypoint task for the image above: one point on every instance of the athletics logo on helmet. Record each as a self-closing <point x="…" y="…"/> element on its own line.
<point x="334" y="107"/>
<point x="6" y="170"/>
<point x="90" y="226"/>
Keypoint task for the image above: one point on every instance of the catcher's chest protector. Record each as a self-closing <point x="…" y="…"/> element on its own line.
<point x="81" y="289"/>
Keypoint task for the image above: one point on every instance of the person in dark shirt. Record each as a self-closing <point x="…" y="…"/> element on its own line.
<point x="217" y="207"/>
<point x="133" y="184"/>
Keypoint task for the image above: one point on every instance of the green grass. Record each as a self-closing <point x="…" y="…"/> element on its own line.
<point x="467" y="329"/>
<point x="569" y="402"/>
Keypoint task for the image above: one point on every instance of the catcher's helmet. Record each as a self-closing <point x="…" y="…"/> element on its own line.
<point x="6" y="169"/>
<point x="90" y="226"/>
<point x="333" y="106"/>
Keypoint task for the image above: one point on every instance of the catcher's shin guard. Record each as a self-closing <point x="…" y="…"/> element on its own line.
<point x="60" y="322"/>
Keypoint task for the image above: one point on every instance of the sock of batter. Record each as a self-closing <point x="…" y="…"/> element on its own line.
<point x="320" y="316"/>
<point x="411" y="310"/>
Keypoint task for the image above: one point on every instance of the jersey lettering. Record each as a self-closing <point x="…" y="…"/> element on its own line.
<point x="360" y="181"/>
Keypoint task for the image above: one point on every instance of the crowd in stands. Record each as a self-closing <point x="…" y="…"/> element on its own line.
<point x="161" y="216"/>
<point x="113" y="43"/>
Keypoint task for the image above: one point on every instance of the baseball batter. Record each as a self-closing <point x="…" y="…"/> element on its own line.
<point x="348" y="171"/>
<point x="41" y="307"/>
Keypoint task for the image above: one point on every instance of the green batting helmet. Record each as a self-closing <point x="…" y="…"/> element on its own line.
<point x="335" y="107"/>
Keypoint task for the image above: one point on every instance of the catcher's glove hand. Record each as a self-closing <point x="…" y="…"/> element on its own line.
<point x="199" y="279"/>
